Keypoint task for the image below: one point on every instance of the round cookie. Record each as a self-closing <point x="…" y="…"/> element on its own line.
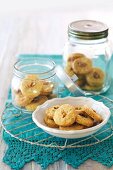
<point x="75" y="56"/>
<point x="65" y="115"/>
<point x="31" y="88"/>
<point x="95" y="77"/>
<point x="47" y="87"/>
<point x="50" y="111"/>
<point x="81" y="76"/>
<point x="92" y="113"/>
<point x="21" y="100"/>
<point x="84" y="120"/>
<point x="69" y="70"/>
<point x="91" y="88"/>
<point x="52" y="95"/>
<point x="50" y="122"/>
<point x="36" y="102"/>
<point x="75" y="126"/>
<point x="80" y="82"/>
<point x="82" y="65"/>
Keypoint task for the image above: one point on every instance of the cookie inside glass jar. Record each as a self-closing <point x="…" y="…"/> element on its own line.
<point x="90" y="78"/>
<point x="87" y="53"/>
<point x="33" y="92"/>
<point x="33" y="83"/>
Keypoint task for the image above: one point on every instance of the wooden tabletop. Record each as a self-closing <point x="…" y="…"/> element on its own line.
<point x="37" y="34"/>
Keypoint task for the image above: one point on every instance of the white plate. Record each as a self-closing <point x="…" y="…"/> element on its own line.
<point x="99" y="107"/>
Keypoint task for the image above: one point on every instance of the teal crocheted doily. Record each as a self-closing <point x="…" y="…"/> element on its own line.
<point x="19" y="152"/>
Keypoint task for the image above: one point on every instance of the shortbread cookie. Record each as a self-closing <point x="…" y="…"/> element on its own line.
<point x="52" y="95"/>
<point x="69" y="70"/>
<point x="80" y="82"/>
<point x="82" y="65"/>
<point x="92" y="113"/>
<point x="36" y="102"/>
<point x="31" y="88"/>
<point x="72" y="57"/>
<point x="50" y="111"/>
<point x="47" y="87"/>
<point x="84" y="120"/>
<point x="65" y="115"/>
<point x="75" y="126"/>
<point x="95" y="77"/>
<point x="91" y="88"/>
<point x="50" y="122"/>
<point x="21" y="100"/>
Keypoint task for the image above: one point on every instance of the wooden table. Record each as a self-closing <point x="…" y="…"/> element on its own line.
<point x="33" y="33"/>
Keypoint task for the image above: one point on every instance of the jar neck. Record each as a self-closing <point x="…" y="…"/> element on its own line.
<point x="44" y="68"/>
<point x="74" y="40"/>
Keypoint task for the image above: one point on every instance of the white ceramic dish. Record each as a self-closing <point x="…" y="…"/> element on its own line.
<point x="38" y="116"/>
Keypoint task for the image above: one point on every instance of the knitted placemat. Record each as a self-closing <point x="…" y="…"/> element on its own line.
<point x="20" y="152"/>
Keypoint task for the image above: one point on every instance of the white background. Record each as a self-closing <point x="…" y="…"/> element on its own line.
<point x="80" y="9"/>
<point x="63" y="5"/>
<point x="16" y="14"/>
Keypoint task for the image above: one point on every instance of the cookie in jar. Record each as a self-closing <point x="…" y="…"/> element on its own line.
<point x="87" y="54"/>
<point x="33" y="83"/>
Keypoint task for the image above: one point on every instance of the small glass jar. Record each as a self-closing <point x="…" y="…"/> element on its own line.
<point x="34" y="82"/>
<point x="87" y="53"/>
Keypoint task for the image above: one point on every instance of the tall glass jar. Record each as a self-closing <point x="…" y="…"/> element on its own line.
<point x="87" y="54"/>
<point x="33" y="83"/>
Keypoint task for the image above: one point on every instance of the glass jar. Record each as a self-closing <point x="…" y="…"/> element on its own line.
<point x="87" y="54"/>
<point x="33" y="83"/>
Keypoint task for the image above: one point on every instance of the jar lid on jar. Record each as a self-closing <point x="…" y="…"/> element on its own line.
<point x="87" y="29"/>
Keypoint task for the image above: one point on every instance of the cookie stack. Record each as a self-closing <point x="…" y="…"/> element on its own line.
<point x="89" y="78"/>
<point x="68" y="117"/>
<point x="32" y="92"/>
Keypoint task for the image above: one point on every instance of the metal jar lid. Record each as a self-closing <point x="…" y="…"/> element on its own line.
<point x="87" y="29"/>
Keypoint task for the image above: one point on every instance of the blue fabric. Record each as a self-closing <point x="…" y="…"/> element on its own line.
<point x="19" y="152"/>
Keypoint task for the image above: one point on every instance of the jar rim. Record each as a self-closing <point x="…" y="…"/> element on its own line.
<point x="88" y="29"/>
<point x="20" y="73"/>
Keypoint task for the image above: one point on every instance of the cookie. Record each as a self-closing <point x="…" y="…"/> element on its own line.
<point x="75" y="126"/>
<point x="82" y="65"/>
<point x="69" y="70"/>
<point x="47" y="87"/>
<point x="85" y="120"/>
<point x="95" y="77"/>
<point x="80" y="82"/>
<point x="50" y="111"/>
<point x="75" y="56"/>
<point x="81" y="76"/>
<point x="78" y="107"/>
<point x="92" y="114"/>
<point x="65" y="115"/>
<point x="31" y="88"/>
<point x="36" y="102"/>
<point x="52" y="95"/>
<point x="50" y="122"/>
<point x="21" y="100"/>
<point x="91" y="88"/>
